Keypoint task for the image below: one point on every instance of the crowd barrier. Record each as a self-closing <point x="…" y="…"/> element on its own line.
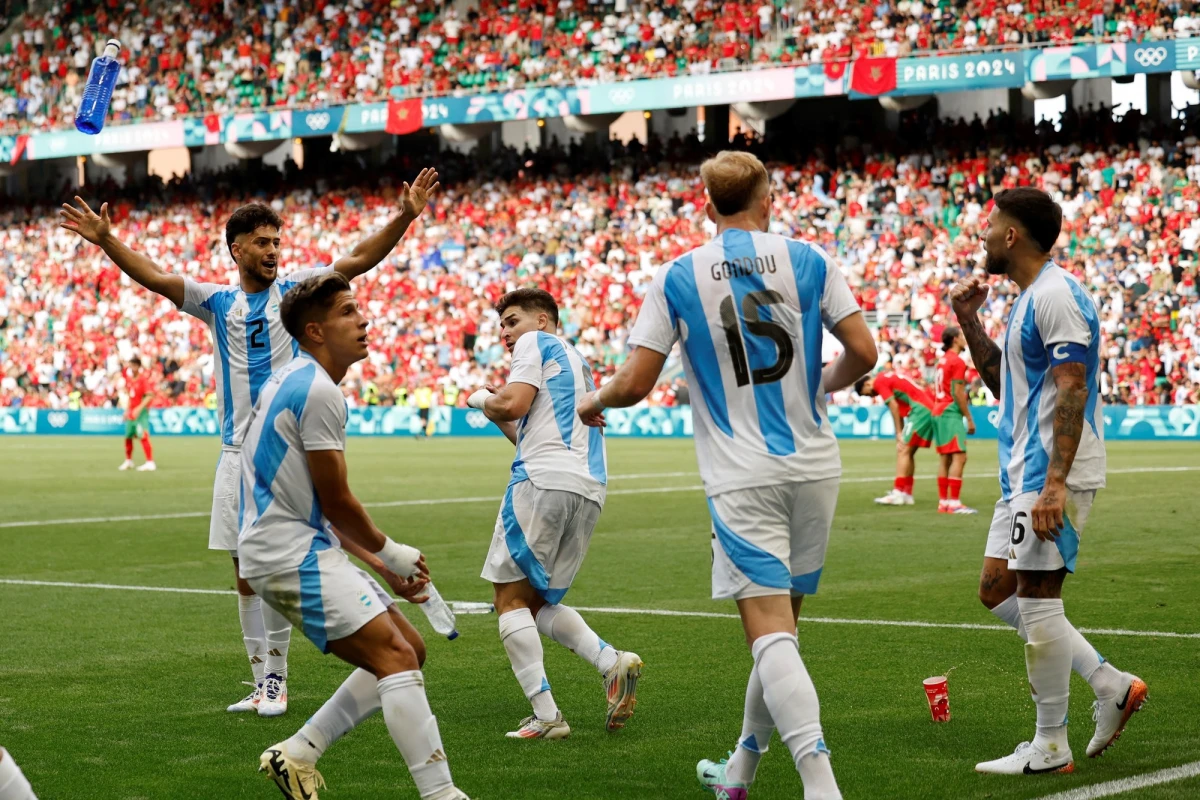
<point x="849" y="422"/>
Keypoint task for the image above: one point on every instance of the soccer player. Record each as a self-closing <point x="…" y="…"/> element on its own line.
<point x="294" y="489"/>
<point x="250" y="342"/>
<point x="550" y="508"/>
<point x="952" y="422"/>
<point x="13" y="783"/>
<point x="137" y="416"/>
<point x="749" y="309"/>
<point x="912" y="416"/>
<point x="1052" y="462"/>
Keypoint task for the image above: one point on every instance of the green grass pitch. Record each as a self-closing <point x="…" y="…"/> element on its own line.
<point x="108" y="693"/>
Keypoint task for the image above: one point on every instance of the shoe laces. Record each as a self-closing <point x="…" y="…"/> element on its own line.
<point x="257" y="687"/>
<point x="1023" y="746"/>
<point x="272" y="688"/>
<point x="1097" y="708"/>
<point x="308" y="773"/>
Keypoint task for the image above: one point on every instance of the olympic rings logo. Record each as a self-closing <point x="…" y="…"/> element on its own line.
<point x="621" y="97"/>
<point x="318" y="121"/>
<point x="1150" y="56"/>
<point x="476" y="419"/>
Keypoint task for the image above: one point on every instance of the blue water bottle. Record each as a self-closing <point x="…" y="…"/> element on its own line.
<point x="98" y="92"/>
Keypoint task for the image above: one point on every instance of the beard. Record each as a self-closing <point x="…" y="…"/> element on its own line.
<point x="996" y="265"/>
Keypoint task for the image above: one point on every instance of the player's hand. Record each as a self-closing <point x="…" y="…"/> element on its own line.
<point x="901" y="445"/>
<point x="589" y="411"/>
<point x="968" y="295"/>
<point x="87" y="223"/>
<point x="1049" y="512"/>
<point x="411" y="589"/>
<point x="970" y="427"/>
<point x="414" y="198"/>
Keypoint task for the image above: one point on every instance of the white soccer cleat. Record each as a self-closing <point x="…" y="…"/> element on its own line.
<point x="1111" y="715"/>
<point x="147" y="467"/>
<point x="534" y="728"/>
<point x="895" y="498"/>
<point x="620" y="687"/>
<point x="1028" y="759"/>
<point x="249" y="702"/>
<point x="126" y="464"/>
<point x="298" y="780"/>
<point x="274" y="696"/>
<point x="959" y="508"/>
<point x="453" y="793"/>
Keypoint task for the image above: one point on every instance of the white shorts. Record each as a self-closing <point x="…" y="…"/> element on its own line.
<point x="327" y="597"/>
<point x="541" y="535"/>
<point x="771" y="539"/>
<point x="223" y="524"/>
<point x="1011" y="536"/>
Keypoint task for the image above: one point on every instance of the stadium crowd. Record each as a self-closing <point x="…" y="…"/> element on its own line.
<point x="223" y="55"/>
<point x="904" y="224"/>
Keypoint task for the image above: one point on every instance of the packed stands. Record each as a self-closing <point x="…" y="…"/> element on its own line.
<point x="222" y="55"/>
<point x="904" y="223"/>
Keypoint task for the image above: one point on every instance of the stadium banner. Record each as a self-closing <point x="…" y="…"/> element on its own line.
<point x="1081" y="61"/>
<point x="694" y="90"/>
<point x="113" y="139"/>
<point x="956" y="73"/>
<point x="1187" y="54"/>
<point x="8" y="150"/>
<point x="819" y="80"/>
<point x="1142" y="423"/>
<point x="321" y="122"/>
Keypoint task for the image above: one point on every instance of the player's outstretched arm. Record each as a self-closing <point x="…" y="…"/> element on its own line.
<point x="967" y="298"/>
<point x="858" y="358"/>
<point x="97" y="229"/>
<point x="367" y="254"/>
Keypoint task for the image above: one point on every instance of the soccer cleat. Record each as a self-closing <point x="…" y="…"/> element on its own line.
<point x="297" y="780"/>
<point x="1029" y="759"/>
<point x="249" y="702"/>
<point x="534" y="728"/>
<point x="959" y="508"/>
<point x="895" y="498"/>
<point x="711" y="775"/>
<point x="147" y="467"/>
<point x="274" y="696"/>
<point x="453" y="793"/>
<point x="126" y="464"/>
<point x="944" y="507"/>
<point x="620" y="686"/>
<point x="1111" y="715"/>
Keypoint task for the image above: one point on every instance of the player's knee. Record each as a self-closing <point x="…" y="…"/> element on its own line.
<point x="991" y="596"/>
<point x="397" y="656"/>
<point x="417" y="644"/>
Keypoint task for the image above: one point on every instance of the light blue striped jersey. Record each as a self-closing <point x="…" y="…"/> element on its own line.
<point x="554" y="449"/>
<point x="750" y="310"/>
<point x="300" y="409"/>
<point x="249" y="340"/>
<point x="1052" y="322"/>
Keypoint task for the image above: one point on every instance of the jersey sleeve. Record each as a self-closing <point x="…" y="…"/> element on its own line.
<point x="323" y="423"/>
<point x="837" y="301"/>
<point x="291" y="280"/>
<point x="884" y="388"/>
<point x="196" y="299"/>
<point x="1063" y="329"/>
<point x="526" y="366"/>
<point x="956" y="370"/>
<point x="654" y="328"/>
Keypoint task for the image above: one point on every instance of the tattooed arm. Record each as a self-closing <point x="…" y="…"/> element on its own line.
<point x="1070" y="379"/>
<point x="967" y="298"/>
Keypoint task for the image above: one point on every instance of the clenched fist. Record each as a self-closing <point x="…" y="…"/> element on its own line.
<point x="968" y="295"/>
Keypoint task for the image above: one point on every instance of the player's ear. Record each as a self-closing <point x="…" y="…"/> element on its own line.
<point x="314" y="333"/>
<point x="710" y="211"/>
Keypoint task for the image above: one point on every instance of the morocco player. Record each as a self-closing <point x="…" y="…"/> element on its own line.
<point x="250" y="342"/>
<point x="953" y="422"/>
<point x="551" y="506"/>
<point x="912" y="415"/>
<point x="137" y="416"/>
<point x="749" y="310"/>
<point x="1052" y="463"/>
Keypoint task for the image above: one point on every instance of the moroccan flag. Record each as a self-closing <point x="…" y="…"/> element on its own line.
<point x="405" y="116"/>
<point x="873" y="76"/>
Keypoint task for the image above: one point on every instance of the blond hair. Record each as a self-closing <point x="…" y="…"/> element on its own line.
<point x="734" y="181"/>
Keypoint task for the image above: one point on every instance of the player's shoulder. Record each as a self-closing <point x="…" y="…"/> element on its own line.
<point x="1056" y="288"/>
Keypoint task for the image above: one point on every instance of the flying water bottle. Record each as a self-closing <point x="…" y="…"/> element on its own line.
<point x="439" y="614"/>
<point x="98" y="92"/>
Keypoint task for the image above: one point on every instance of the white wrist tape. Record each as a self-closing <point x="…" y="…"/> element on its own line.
<point x="400" y="558"/>
<point x="478" y="398"/>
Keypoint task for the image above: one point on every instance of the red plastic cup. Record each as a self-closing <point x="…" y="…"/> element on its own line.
<point x="938" y="695"/>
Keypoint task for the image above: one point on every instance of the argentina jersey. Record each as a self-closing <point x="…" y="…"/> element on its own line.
<point x="750" y="310"/>
<point x="281" y="521"/>
<point x="249" y="342"/>
<point x="1052" y="322"/>
<point x="555" y="450"/>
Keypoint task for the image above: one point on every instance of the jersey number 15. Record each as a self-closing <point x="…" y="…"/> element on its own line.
<point x="732" y="324"/>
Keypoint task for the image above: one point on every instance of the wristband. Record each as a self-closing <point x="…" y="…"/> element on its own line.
<point x="478" y="398"/>
<point x="400" y="558"/>
<point x="599" y="403"/>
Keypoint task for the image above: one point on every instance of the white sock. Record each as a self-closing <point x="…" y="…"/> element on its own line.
<point x="13" y="785"/>
<point x="1104" y="678"/>
<point x="414" y="729"/>
<point x="790" y="696"/>
<point x="564" y="625"/>
<point x="355" y="700"/>
<point x="278" y="636"/>
<point x="757" y="727"/>
<point x="1048" y="662"/>
<point x="519" y="634"/>
<point x="253" y="632"/>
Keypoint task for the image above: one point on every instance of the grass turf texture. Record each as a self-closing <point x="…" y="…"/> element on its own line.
<point x="117" y="694"/>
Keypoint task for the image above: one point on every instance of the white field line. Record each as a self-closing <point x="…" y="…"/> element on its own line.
<point x="440" y="501"/>
<point x="1131" y="784"/>
<point x="473" y="607"/>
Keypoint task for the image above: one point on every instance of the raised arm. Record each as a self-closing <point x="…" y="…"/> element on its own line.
<point x="97" y="229"/>
<point x="367" y="254"/>
<point x="967" y="298"/>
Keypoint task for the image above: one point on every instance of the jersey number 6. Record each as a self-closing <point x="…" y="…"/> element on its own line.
<point x="732" y="324"/>
<point x="1018" y="529"/>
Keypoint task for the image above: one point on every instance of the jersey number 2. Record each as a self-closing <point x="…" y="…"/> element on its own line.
<point x="732" y="325"/>
<point x="257" y="326"/>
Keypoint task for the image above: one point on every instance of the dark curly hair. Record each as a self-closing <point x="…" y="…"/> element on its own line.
<point x="248" y="219"/>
